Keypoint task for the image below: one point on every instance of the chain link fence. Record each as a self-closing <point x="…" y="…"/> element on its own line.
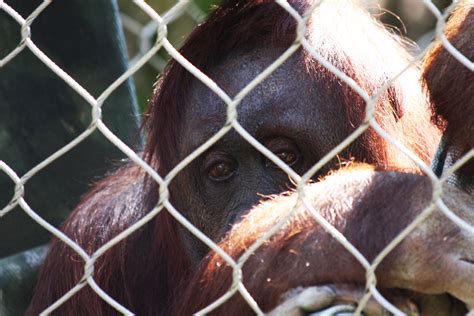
<point x="152" y="37"/>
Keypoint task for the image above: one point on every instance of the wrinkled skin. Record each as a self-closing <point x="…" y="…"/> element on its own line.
<point x="294" y="104"/>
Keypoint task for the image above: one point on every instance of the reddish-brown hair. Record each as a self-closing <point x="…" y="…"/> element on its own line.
<point x="449" y="82"/>
<point x="302" y="253"/>
<point x="154" y="257"/>
<point x="356" y="44"/>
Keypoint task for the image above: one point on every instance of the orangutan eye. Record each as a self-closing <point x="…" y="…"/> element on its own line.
<point x="285" y="149"/>
<point x="288" y="157"/>
<point x="221" y="170"/>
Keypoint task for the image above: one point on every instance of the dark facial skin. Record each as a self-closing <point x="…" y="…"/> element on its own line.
<point x="288" y="113"/>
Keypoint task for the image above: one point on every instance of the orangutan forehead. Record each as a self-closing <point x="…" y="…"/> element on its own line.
<point x="287" y="102"/>
<point x="237" y="71"/>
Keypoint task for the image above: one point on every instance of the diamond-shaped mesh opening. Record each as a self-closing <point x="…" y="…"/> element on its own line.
<point x="10" y="32"/>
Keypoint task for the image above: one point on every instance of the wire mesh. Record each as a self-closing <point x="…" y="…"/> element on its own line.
<point x="152" y="37"/>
